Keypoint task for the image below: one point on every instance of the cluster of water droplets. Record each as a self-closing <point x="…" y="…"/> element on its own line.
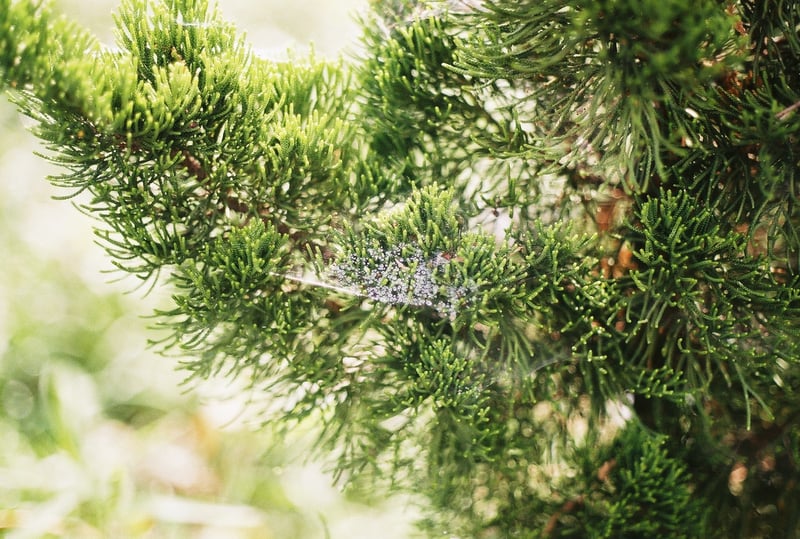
<point x="404" y="275"/>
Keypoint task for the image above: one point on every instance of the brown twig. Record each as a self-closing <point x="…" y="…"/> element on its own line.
<point x="568" y="507"/>
<point x="782" y="115"/>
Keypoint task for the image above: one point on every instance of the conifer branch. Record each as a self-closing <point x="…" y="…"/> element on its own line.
<point x="462" y="250"/>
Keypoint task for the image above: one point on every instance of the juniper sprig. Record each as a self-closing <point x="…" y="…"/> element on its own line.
<point x="460" y="250"/>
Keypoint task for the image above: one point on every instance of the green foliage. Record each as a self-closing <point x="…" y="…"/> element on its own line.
<point x="226" y="307"/>
<point x="170" y="137"/>
<point x="727" y="306"/>
<point x="381" y="243"/>
<point x="647" y="58"/>
<point x="640" y="491"/>
<point x="432" y="125"/>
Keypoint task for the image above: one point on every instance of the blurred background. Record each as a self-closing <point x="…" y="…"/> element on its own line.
<point x="100" y="437"/>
